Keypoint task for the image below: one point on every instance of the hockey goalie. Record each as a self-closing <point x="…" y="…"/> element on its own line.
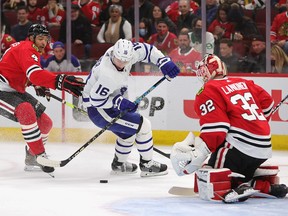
<point x="234" y="119"/>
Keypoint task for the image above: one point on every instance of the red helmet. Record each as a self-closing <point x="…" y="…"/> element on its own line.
<point x="210" y="67"/>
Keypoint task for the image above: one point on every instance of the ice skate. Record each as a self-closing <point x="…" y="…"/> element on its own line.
<point x="32" y="165"/>
<point x="152" y="168"/>
<point x="122" y="168"/>
<point x="239" y="194"/>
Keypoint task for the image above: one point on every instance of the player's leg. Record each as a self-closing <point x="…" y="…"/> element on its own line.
<point x="125" y="129"/>
<point x="144" y="142"/>
<point x="25" y="109"/>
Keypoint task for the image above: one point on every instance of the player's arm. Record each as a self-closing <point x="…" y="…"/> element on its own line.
<point x="150" y="54"/>
<point x="189" y="156"/>
<point x="265" y="100"/>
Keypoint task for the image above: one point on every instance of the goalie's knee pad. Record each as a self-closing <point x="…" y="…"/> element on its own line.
<point x="212" y="184"/>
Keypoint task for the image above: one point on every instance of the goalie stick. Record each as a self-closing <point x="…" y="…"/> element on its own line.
<point x="53" y="163"/>
<point x="185" y="191"/>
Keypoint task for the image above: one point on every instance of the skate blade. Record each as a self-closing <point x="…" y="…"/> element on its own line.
<point x="151" y="174"/>
<point x="32" y="169"/>
<point x="122" y="173"/>
<point x="37" y="169"/>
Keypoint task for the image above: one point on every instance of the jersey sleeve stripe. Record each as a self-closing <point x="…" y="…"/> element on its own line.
<point x="32" y="69"/>
<point x="95" y="102"/>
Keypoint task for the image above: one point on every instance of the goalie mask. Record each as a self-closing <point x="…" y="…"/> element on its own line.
<point x="210" y="67"/>
<point x="123" y="50"/>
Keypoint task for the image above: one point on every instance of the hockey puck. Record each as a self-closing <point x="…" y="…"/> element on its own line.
<point x="104" y="181"/>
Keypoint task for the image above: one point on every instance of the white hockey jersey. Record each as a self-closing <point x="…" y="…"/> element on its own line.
<point x="105" y="81"/>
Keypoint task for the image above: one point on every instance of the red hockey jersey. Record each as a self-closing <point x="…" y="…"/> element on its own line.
<point x="91" y="10"/>
<point x="6" y="42"/>
<point x="279" y="27"/>
<point x="167" y="45"/>
<point x="20" y="66"/>
<point x="237" y="111"/>
<point x="187" y="62"/>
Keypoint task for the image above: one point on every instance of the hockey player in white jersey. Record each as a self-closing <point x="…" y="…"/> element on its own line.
<point x="104" y="97"/>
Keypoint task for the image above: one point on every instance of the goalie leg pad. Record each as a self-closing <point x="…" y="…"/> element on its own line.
<point x="212" y="184"/>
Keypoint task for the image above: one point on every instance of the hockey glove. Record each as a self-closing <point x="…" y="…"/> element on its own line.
<point x="70" y="84"/>
<point x="186" y="159"/>
<point x="123" y="104"/>
<point x="168" y="67"/>
<point x="42" y="92"/>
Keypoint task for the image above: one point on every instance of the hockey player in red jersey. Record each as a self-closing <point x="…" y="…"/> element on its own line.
<point x="20" y="68"/>
<point x="234" y="118"/>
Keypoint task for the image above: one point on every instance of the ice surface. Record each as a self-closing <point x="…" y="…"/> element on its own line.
<point x="76" y="190"/>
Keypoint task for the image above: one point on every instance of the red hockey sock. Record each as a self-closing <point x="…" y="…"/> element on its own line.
<point x="26" y="116"/>
<point x="45" y="125"/>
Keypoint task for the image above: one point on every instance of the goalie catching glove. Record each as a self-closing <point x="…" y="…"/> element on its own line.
<point x="70" y="84"/>
<point x="187" y="156"/>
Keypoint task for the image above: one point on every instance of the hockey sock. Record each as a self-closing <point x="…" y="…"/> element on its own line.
<point x="45" y="125"/>
<point x="144" y="140"/>
<point x="26" y="116"/>
<point x="123" y="148"/>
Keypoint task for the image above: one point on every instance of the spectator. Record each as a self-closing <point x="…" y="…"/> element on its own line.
<point x="145" y="8"/>
<point x="5" y="40"/>
<point x="245" y="27"/>
<point x="196" y="37"/>
<point x="221" y="27"/>
<point x="144" y="30"/>
<point x="58" y="61"/>
<point x="184" y="56"/>
<point x="116" y="27"/>
<point x="90" y="9"/>
<point x="20" y="30"/>
<point x="34" y="12"/>
<point x="256" y="61"/>
<point x="211" y="11"/>
<point x="227" y="55"/>
<point x="158" y="13"/>
<point x="186" y="16"/>
<point x="279" y="28"/>
<point x="81" y="30"/>
<point x="279" y="60"/>
<point x="104" y="14"/>
<point x="13" y="4"/>
<point x="164" y="40"/>
<point x="47" y="51"/>
<point x="172" y="10"/>
<point x="53" y="14"/>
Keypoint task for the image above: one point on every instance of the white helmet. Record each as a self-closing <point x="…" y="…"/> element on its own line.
<point x="123" y="50"/>
<point x="210" y="67"/>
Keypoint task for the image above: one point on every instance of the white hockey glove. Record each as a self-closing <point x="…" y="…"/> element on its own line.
<point x="186" y="158"/>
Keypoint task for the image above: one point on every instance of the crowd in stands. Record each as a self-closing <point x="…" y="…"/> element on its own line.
<point x="235" y="29"/>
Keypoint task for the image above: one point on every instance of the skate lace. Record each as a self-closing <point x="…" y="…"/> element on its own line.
<point x="152" y="163"/>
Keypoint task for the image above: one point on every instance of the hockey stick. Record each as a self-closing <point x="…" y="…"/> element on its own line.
<point x="185" y="191"/>
<point x="52" y="163"/>
<point x="279" y="104"/>
<point x="84" y="112"/>
<point x="68" y="104"/>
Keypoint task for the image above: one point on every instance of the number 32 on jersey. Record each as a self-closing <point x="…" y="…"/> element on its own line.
<point x="247" y="103"/>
